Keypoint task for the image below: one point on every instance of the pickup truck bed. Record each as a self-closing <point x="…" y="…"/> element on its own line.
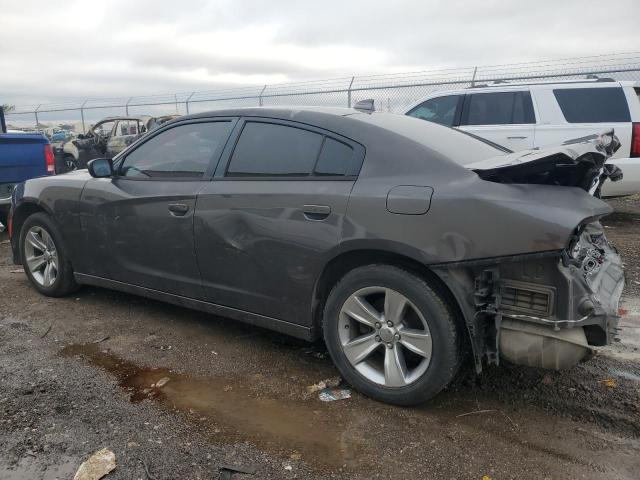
<point x="22" y="156"/>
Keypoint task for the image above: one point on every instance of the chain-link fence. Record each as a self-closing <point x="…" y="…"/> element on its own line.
<point x="391" y="92"/>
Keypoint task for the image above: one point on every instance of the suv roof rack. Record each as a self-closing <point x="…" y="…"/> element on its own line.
<point x="589" y="78"/>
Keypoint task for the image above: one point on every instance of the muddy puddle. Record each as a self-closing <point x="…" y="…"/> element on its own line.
<point x="230" y="411"/>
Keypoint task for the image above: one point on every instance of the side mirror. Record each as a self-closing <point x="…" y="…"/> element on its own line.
<point x="100" y="168"/>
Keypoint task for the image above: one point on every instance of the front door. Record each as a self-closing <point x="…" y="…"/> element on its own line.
<point x="272" y="216"/>
<point x="139" y="224"/>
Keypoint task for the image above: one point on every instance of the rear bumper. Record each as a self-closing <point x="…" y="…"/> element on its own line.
<point x="581" y="291"/>
<point x="630" y="183"/>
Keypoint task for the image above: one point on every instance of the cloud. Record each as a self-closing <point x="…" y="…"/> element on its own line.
<point x="52" y="51"/>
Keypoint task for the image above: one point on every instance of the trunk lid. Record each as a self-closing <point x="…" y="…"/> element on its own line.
<point x="579" y="162"/>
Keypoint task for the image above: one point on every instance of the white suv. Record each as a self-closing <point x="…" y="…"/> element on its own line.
<point x="524" y="116"/>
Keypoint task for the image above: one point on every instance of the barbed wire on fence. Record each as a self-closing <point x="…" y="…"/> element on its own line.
<point x="392" y="92"/>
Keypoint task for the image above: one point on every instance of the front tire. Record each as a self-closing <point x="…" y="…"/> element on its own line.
<point x="44" y="256"/>
<point x="391" y="335"/>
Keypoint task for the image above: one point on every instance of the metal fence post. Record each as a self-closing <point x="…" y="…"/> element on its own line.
<point x="36" y="114"/>
<point x="186" y="103"/>
<point x="82" y="116"/>
<point x="260" y="96"/>
<point x="126" y="107"/>
<point x="473" y="79"/>
<point x="349" y="92"/>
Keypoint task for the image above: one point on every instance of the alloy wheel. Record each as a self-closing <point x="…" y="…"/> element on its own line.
<point x="41" y="256"/>
<point x="384" y="336"/>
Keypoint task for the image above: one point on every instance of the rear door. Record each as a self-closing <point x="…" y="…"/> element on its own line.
<point x="505" y="117"/>
<point x="139" y="224"/>
<point x="273" y="214"/>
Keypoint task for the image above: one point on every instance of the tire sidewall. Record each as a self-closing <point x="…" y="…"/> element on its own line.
<point x="65" y="272"/>
<point x="438" y="315"/>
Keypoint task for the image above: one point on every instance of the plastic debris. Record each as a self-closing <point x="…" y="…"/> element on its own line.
<point x="327" y="383"/>
<point x="333" y="394"/>
<point x="162" y="382"/>
<point x="97" y="465"/>
<point x="288" y="468"/>
<point x="608" y="382"/>
<point x="227" y="471"/>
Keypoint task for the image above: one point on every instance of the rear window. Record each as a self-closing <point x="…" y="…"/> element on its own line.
<point x="498" y="108"/>
<point x="593" y="105"/>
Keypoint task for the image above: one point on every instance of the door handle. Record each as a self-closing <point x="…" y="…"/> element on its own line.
<point x="316" y="212"/>
<point x="516" y="138"/>
<point x="178" y="209"/>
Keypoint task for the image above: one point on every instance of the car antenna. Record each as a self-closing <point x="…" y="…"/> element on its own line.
<point x="367" y="106"/>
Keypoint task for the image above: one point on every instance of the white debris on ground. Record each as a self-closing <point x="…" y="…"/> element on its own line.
<point x="97" y="466"/>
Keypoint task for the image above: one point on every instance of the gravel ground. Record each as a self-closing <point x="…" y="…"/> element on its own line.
<point x="76" y="375"/>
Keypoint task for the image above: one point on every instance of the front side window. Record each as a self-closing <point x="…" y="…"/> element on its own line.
<point x="498" y="108"/>
<point x="267" y="149"/>
<point x="593" y="105"/>
<point x="440" y="110"/>
<point x="184" y="151"/>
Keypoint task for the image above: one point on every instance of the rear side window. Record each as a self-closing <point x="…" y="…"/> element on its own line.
<point x="266" y="149"/>
<point x="593" y="105"/>
<point x="440" y="110"/>
<point x="335" y="158"/>
<point x="498" y="108"/>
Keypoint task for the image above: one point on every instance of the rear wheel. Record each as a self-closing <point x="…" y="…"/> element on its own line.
<point x="44" y="256"/>
<point x="391" y="335"/>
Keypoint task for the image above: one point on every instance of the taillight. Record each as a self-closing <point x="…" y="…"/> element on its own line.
<point x="50" y="159"/>
<point x="10" y="225"/>
<point x="635" y="140"/>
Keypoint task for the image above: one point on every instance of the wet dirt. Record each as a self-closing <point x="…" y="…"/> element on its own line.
<point x="229" y="408"/>
<point x="238" y="395"/>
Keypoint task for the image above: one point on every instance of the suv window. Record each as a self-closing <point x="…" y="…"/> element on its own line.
<point x="183" y="151"/>
<point x="593" y="105"/>
<point x="267" y="149"/>
<point x="440" y="110"/>
<point x="498" y="108"/>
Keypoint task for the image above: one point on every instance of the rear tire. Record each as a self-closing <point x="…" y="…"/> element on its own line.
<point x="44" y="256"/>
<point x="406" y="361"/>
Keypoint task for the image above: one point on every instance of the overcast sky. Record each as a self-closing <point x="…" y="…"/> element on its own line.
<point x="55" y="50"/>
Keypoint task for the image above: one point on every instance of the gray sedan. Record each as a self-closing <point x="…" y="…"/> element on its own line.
<point x="351" y="226"/>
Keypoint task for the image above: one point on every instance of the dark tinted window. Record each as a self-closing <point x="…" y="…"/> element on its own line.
<point x="499" y="108"/>
<point x="593" y="105"/>
<point x="335" y="158"/>
<point x="440" y="110"/>
<point x="182" y="151"/>
<point x="270" y="149"/>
